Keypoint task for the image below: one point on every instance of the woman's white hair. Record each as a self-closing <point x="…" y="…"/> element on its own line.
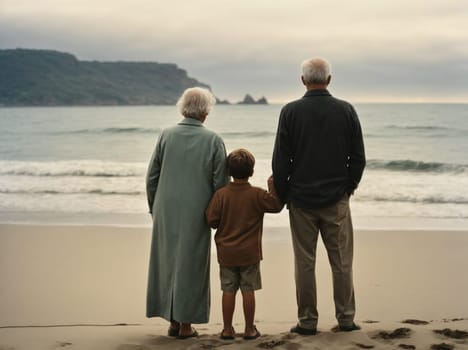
<point x="316" y="71"/>
<point x="196" y="103"/>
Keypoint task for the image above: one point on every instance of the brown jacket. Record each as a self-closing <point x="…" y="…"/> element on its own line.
<point x="237" y="211"/>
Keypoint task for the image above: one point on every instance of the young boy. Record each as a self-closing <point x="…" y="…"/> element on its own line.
<point x="237" y="211"/>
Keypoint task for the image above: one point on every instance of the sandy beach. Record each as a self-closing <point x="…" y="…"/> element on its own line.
<point x="83" y="287"/>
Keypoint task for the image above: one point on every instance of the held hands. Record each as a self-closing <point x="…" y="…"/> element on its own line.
<point x="270" y="181"/>
<point x="271" y="184"/>
<point x="272" y="190"/>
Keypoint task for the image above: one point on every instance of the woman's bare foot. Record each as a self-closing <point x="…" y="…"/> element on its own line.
<point x="187" y="331"/>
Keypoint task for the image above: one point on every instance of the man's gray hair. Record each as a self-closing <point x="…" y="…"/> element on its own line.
<point x="316" y="71"/>
<point x="196" y="103"/>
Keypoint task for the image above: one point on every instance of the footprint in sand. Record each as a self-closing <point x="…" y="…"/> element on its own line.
<point x="442" y="346"/>
<point x="415" y="322"/>
<point x="62" y="344"/>
<point x="454" y="334"/>
<point x="275" y="343"/>
<point x="271" y="344"/>
<point x="396" y="334"/>
<point x="364" y="346"/>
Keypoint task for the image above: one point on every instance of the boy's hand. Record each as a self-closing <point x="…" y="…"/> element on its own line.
<point x="271" y="188"/>
<point x="270" y="180"/>
<point x="271" y="185"/>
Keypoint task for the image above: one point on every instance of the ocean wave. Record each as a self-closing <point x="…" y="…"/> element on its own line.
<point x="426" y="131"/>
<point x="93" y="191"/>
<point x="248" y="134"/>
<point x="139" y="130"/>
<point x="445" y="130"/>
<point x="419" y="166"/>
<point x="114" y="130"/>
<point x="85" y="173"/>
<point x="426" y="200"/>
<point x="420" y="127"/>
<point x="72" y="168"/>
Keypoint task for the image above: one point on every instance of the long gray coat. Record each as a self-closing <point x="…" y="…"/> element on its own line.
<point x="187" y="167"/>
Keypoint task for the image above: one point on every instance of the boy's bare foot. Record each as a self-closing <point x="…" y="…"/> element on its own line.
<point x="251" y="333"/>
<point x="228" y="335"/>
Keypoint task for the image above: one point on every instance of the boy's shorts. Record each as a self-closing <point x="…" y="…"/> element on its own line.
<point x="247" y="278"/>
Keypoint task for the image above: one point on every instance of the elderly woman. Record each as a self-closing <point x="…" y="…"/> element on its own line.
<point x="187" y="167"/>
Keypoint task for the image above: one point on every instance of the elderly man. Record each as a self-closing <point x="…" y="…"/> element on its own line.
<point x="187" y="167"/>
<point x="318" y="161"/>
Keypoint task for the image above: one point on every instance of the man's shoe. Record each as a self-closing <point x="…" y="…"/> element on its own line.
<point x="303" y="331"/>
<point x="353" y="327"/>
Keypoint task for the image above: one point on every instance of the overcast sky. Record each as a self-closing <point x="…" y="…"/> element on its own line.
<point x="399" y="50"/>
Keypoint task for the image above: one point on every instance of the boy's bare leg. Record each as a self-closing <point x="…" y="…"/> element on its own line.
<point x="229" y="303"/>
<point x="248" y="298"/>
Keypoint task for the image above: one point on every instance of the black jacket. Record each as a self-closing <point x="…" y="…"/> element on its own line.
<point x="319" y="151"/>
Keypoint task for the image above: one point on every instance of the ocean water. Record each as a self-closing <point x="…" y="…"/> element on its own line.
<point x="87" y="164"/>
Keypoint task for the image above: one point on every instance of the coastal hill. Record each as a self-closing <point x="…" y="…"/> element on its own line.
<point x="51" y="78"/>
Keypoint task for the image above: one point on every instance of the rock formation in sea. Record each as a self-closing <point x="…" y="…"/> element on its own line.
<point x="249" y="100"/>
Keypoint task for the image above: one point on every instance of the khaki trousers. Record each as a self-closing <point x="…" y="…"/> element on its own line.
<point x="335" y="226"/>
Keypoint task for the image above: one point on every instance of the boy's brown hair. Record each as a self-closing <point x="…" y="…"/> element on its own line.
<point x="240" y="163"/>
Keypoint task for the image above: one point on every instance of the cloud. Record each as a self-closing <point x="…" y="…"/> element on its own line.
<point x="400" y="49"/>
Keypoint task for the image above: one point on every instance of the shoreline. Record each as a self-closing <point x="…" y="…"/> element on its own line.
<point x="272" y="221"/>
